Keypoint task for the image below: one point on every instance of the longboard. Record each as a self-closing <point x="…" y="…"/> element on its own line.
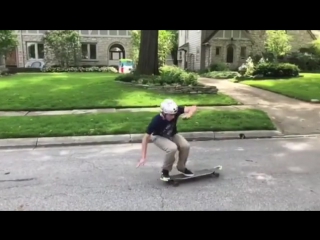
<point x="175" y="179"/>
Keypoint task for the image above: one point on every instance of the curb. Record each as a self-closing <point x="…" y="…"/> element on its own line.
<point x="128" y="138"/>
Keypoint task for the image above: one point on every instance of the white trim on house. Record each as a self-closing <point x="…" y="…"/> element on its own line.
<point x="189" y="53"/>
<point x="87" y="33"/>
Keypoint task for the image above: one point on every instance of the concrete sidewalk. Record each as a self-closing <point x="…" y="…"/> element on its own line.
<point x="290" y="115"/>
<point x="109" y="110"/>
<point x="127" y="138"/>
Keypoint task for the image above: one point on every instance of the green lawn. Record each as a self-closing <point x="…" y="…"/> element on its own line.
<point x="63" y="91"/>
<point x="120" y="123"/>
<point x="304" y="88"/>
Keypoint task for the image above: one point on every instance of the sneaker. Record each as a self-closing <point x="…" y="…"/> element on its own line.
<point x="186" y="172"/>
<point x="165" y="176"/>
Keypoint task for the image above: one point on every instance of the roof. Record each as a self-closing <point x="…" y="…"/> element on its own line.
<point x="184" y="47"/>
<point x="207" y="39"/>
<point x="314" y="34"/>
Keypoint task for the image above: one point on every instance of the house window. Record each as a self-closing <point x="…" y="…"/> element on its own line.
<point x="122" y="32"/>
<point x="103" y="32"/>
<point x="218" y="50"/>
<point x="243" y="52"/>
<point x="89" y="50"/>
<point x="84" y="32"/>
<point x="228" y="34"/>
<point x="35" y="50"/>
<point x="113" y="32"/>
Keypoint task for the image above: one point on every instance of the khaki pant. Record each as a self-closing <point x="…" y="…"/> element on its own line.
<point x="178" y="143"/>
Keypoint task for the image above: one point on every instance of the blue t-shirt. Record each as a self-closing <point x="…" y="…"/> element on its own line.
<point x="163" y="127"/>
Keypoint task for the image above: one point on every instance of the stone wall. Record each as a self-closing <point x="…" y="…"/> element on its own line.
<point x="199" y="89"/>
<point x="223" y="44"/>
<point x="300" y="39"/>
<point x="254" y="45"/>
<point x="2" y="63"/>
<point x="103" y="46"/>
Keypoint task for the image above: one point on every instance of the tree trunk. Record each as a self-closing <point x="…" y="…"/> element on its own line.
<point x="174" y="55"/>
<point x="148" y="54"/>
<point x="275" y="60"/>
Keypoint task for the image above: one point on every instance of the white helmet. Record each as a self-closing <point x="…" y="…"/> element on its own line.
<point x="168" y="106"/>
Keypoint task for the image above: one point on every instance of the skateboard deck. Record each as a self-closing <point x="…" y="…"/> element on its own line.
<point x="175" y="179"/>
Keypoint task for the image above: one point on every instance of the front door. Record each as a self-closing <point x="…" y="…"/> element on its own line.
<point x="11" y="59"/>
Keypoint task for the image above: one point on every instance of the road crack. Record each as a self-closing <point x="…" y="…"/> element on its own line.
<point x="18" y="180"/>
<point x="162" y="199"/>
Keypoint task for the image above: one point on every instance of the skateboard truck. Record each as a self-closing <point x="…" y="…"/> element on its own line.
<point x="175" y="179"/>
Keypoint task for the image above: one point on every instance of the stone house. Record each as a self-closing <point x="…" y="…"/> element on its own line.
<point x="2" y="63"/>
<point x="200" y="48"/>
<point x="99" y="47"/>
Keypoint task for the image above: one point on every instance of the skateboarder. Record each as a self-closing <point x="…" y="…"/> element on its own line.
<point x="163" y="132"/>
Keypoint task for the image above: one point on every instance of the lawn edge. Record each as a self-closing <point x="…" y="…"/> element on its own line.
<point x="286" y="95"/>
<point x="117" y="107"/>
<point x="130" y="138"/>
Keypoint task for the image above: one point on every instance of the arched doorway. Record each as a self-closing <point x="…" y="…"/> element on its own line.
<point x="116" y="52"/>
<point x="230" y="53"/>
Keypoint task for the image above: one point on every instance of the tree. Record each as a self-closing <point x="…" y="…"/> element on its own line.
<point x="278" y="43"/>
<point x="316" y="46"/>
<point x="148" y="53"/>
<point x="63" y="47"/>
<point x="135" y="41"/>
<point x="8" y="41"/>
<point x="167" y="43"/>
<point x="175" y="43"/>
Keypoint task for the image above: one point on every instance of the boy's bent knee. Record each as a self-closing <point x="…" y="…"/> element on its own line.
<point x="184" y="146"/>
<point x="172" y="149"/>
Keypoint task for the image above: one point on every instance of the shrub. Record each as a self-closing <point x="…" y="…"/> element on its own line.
<point x="168" y="75"/>
<point x="176" y="75"/>
<point x="247" y="68"/>
<point x="14" y="70"/>
<point x="126" y="77"/>
<point x="4" y="72"/>
<point x="268" y="57"/>
<point x="221" y="75"/>
<point x="81" y="69"/>
<point x="218" y="67"/>
<point x="310" y="50"/>
<point x="276" y="70"/>
<point x="305" y="61"/>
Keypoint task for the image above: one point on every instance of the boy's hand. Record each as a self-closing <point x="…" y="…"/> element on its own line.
<point x="141" y="162"/>
<point x="185" y="116"/>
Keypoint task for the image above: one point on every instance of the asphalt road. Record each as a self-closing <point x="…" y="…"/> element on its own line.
<point x="280" y="174"/>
